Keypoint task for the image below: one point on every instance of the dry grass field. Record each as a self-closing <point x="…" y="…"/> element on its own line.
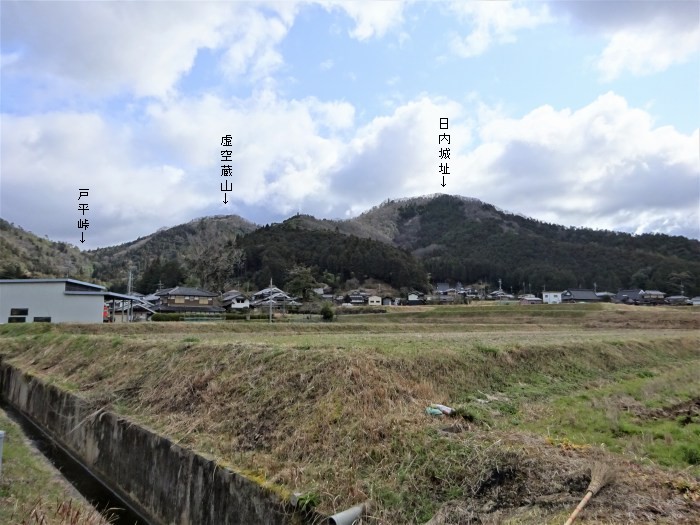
<point x="337" y="410"/>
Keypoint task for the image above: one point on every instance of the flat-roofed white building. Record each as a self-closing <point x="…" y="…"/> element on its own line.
<point x="51" y="301"/>
<point x="551" y="297"/>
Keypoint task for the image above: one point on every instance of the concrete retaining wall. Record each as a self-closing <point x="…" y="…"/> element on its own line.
<point x="167" y="483"/>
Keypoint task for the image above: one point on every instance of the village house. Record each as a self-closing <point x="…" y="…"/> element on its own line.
<point x="273" y="297"/>
<point x="356" y="298"/>
<point x="499" y="295"/>
<point x="579" y="295"/>
<point x="129" y="311"/>
<point x="233" y="301"/>
<point x="639" y="296"/>
<point x="443" y="293"/>
<point x="415" y="298"/>
<point x="551" y="297"/>
<point x="182" y="299"/>
<point x="529" y="299"/>
<point x="470" y="292"/>
<point x="678" y="300"/>
<point x="387" y="300"/>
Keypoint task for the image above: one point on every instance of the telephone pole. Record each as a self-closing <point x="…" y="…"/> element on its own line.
<point x="269" y="300"/>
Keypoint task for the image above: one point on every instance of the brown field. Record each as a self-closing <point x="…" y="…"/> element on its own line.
<point x="337" y="410"/>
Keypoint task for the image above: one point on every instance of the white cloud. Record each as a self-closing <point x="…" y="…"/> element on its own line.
<point x="396" y="155"/>
<point x="646" y="50"/>
<point x="279" y="159"/>
<point x="109" y="46"/>
<point x="604" y="165"/>
<point x="252" y="42"/>
<point x="43" y="168"/>
<point x="372" y="19"/>
<point x="7" y="59"/>
<point x="494" y="22"/>
<point x="141" y="48"/>
<point x="333" y="115"/>
<point x="326" y="64"/>
<point x="642" y="37"/>
<point x="282" y="149"/>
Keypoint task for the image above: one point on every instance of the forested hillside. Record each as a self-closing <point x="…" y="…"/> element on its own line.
<point x="272" y="251"/>
<point x="24" y="255"/>
<point x="168" y="256"/>
<point x="403" y="243"/>
<point x="466" y="240"/>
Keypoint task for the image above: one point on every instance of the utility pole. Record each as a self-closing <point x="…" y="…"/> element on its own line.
<point x="131" y="304"/>
<point x="269" y="300"/>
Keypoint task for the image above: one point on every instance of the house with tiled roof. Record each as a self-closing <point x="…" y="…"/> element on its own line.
<point x="234" y="300"/>
<point x="183" y="299"/>
<point x="273" y="297"/>
<point x="579" y="295"/>
<point x="639" y="296"/>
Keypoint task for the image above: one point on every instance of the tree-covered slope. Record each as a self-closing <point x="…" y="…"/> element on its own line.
<point x="24" y="255"/>
<point x="166" y="247"/>
<point x="467" y="240"/>
<point x="453" y="238"/>
<point x="271" y="251"/>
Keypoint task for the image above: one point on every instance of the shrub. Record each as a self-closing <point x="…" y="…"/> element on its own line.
<point x="691" y="454"/>
<point x="166" y="317"/>
<point x="327" y="312"/>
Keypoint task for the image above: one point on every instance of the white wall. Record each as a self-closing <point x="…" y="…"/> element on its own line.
<point x="47" y="299"/>
<point x="240" y="306"/>
<point x="551" y="297"/>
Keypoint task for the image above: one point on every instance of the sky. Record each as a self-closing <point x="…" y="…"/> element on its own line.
<point x="581" y="113"/>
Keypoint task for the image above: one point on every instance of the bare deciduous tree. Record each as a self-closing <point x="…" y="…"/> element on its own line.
<point x="212" y="257"/>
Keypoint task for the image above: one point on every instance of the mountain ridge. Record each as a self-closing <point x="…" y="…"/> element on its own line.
<point x="455" y="238"/>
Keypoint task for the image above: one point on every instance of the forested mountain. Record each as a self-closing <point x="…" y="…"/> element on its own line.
<point x="24" y="255"/>
<point x="400" y="242"/>
<point x="332" y="257"/>
<point x="162" y="256"/>
<point x="461" y="239"/>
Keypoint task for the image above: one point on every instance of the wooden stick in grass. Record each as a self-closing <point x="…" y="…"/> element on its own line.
<point x="601" y="475"/>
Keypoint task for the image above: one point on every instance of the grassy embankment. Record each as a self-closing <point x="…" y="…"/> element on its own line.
<point x="337" y="410"/>
<point x="31" y="491"/>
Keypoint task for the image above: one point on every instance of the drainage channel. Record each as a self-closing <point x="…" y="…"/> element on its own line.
<point x="92" y="488"/>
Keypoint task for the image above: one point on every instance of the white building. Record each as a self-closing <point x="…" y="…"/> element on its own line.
<point x="374" y="300"/>
<point x="51" y="301"/>
<point x="551" y="297"/>
<point x="234" y="300"/>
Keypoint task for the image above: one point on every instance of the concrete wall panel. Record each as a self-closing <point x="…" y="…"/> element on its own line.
<point x="170" y="484"/>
